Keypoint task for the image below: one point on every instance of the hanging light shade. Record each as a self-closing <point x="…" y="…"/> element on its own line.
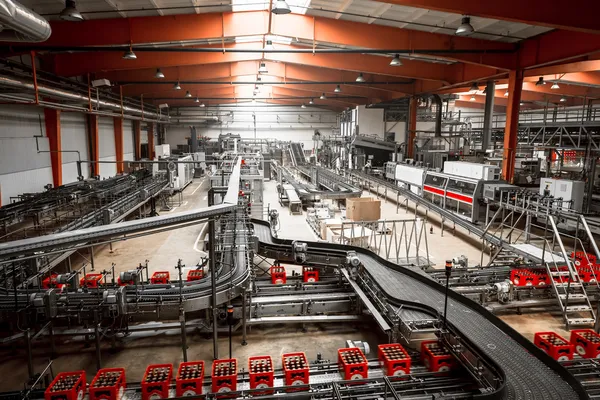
<point x="474" y="88"/>
<point x="262" y="69"/>
<point x="322" y="97"/>
<point x="303" y="105"/>
<point x="177" y="86"/>
<point x="159" y="74"/>
<point x="201" y="105"/>
<point x="563" y="99"/>
<point x="360" y="78"/>
<point x="506" y="94"/>
<point x="269" y="45"/>
<point x="129" y="55"/>
<point x="70" y="12"/>
<point x="337" y="89"/>
<point x="396" y="62"/>
<point x="472" y="98"/>
<point x="188" y="94"/>
<point x="540" y="81"/>
<point x="465" y="28"/>
<point x="311" y="101"/>
<point x="197" y="100"/>
<point x="281" y="7"/>
<point x="555" y="86"/>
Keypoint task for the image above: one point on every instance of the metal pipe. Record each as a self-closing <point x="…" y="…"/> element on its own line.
<point x="183" y="334"/>
<point x="20" y="24"/>
<point x="213" y="277"/>
<point x="244" y="318"/>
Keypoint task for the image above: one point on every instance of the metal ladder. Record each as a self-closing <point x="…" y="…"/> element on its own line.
<point x="570" y="289"/>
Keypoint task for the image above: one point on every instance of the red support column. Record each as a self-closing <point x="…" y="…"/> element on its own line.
<point x="515" y="85"/>
<point x="94" y="143"/>
<point x="137" y="139"/>
<point x="52" y="120"/>
<point x="118" y="129"/>
<point x="412" y="128"/>
<point x="151" y="140"/>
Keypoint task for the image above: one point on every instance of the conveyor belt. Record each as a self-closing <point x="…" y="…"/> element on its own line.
<point x="530" y="373"/>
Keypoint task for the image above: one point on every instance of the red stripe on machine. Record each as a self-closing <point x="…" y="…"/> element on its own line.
<point x="460" y="197"/>
<point x="433" y="190"/>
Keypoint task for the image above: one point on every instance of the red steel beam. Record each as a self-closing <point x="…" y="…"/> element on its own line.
<point x="53" y="132"/>
<point x="556" y="46"/>
<point x="515" y="83"/>
<point x="118" y="130"/>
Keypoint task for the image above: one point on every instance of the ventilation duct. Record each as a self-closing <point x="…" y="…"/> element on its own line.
<point x="19" y="24"/>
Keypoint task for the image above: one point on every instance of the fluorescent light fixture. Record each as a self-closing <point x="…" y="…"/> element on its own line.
<point x="337" y="89"/>
<point x="164" y="105"/>
<point x="159" y="74"/>
<point x="472" y="98"/>
<point x="188" y="94"/>
<point x="269" y="45"/>
<point x="262" y="69"/>
<point x="360" y="78"/>
<point x="396" y="62"/>
<point x="100" y="83"/>
<point x="303" y="105"/>
<point x="70" y="12"/>
<point x="474" y="88"/>
<point x="563" y="99"/>
<point x="322" y="97"/>
<point x="311" y="101"/>
<point x="197" y="100"/>
<point x="129" y="55"/>
<point x="281" y="7"/>
<point x="506" y="94"/>
<point x="555" y="86"/>
<point x="540" y="81"/>
<point x="177" y="86"/>
<point x="465" y="27"/>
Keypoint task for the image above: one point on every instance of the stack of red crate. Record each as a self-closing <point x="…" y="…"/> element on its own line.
<point x="295" y="368"/>
<point x="156" y="381"/>
<point x="436" y="357"/>
<point x="67" y="386"/>
<point x="310" y="274"/>
<point x="190" y="376"/>
<point x="195" y="275"/>
<point x="353" y="363"/>
<point x="523" y="277"/>
<point x="91" y="281"/>
<point x="261" y="373"/>
<point x="278" y="276"/>
<point x="224" y="375"/>
<point x="586" y="342"/>
<point x="108" y="384"/>
<point x="160" y="278"/>
<point x="556" y="346"/>
<point x="394" y="360"/>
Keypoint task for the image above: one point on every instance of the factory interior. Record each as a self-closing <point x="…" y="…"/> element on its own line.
<point x="307" y="199"/>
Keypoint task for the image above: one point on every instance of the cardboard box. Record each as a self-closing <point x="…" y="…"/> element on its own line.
<point x="363" y="209"/>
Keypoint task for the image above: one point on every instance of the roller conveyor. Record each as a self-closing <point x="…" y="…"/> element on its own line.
<point x="530" y="373"/>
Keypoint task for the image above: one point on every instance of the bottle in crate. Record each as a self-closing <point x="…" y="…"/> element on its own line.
<point x="261" y="373"/>
<point x="310" y="274"/>
<point x="295" y="369"/>
<point x="586" y="342"/>
<point x="156" y="381"/>
<point x="436" y="357"/>
<point x="108" y="384"/>
<point x="224" y="376"/>
<point x="353" y="364"/>
<point x="67" y="386"/>
<point x="189" y="379"/>
<point x="554" y="345"/>
<point x="278" y="276"/>
<point x="394" y="360"/>
<point x="195" y="275"/>
<point x="160" y="278"/>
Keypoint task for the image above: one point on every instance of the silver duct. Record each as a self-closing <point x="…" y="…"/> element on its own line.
<point x="10" y="82"/>
<point x="20" y="24"/>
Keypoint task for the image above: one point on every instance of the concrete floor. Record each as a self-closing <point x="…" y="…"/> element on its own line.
<point x="163" y="251"/>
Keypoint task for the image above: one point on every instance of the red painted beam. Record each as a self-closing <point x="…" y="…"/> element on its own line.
<point x="118" y="130"/>
<point x="53" y="132"/>
<point x="556" y="46"/>
<point x="515" y="84"/>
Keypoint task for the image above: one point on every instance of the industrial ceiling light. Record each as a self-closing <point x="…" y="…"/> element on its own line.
<point x="202" y="105"/>
<point x="322" y="97"/>
<point x="303" y="105"/>
<point x="521" y="103"/>
<point x="465" y="28"/>
<point x="474" y="88"/>
<point x="311" y="101"/>
<point x="281" y="7"/>
<point x="129" y="54"/>
<point x="263" y="69"/>
<point x="540" y="81"/>
<point x="337" y="89"/>
<point x="506" y="94"/>
<point x="360" y="78"/>
<point x="70" y="12"/>
<point x="563" y="99"/>
<point x="177" y="86"/>
<point x="269" y="45"/>
<point x="188" y="94"/>
<point x="159" y="74"/>
<point x="396" y="62"/>
<point x="253" y="101"/>
<point x="472" y="98"/>
<point x="555" y="86"/>
<point x="197" y="100"/>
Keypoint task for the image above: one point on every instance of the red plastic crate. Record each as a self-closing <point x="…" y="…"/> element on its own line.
<point x="278" y="276"/>
<point x="310" y="274"/>
<point x="295" y="368"/>
<point x="189" y="379"/>
<point x="394" y="360"/>
<point x="555" y="345"/>
<point x="108" y="384"/>
<point x="436" y="357"/>
<point x="50" y="282"/>
<point x="224" y="375"/>
<point x="353" y="363"/>
<point x="195" y="275"/>
<point x="586" y="342"/>
<point x="160" y="278"/>
<point x="261" y="373"/>
<point x="75" y="381"/>
<point x="91" y="281"/>
<point x="157" y="379"/>
<point x="523" y="277"/>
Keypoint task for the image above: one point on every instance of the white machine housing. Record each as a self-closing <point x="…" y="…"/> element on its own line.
<point x="410" y="177"/>
<point x="472" y="170"/>
<point x="571" y="192"/>
<point x="162" y="150"/>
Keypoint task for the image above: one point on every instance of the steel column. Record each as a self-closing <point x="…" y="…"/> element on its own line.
<point x="488" y="114"/>
<point x="137" y="139"/>
<point x="515" y="85"/>
<point x="213" y="277"/>
<point x="150" y="140"/>
<point x="94" y="144"/>
<point x="118" y="130"/>
<point x="412" y="127"/>
<point x="53" y="132"/>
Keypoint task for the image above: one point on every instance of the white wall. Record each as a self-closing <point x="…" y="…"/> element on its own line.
<point x="22" y="168"/>
<point x="370" y="121"/>
<point x="128" y="141"/>
<point x="106" y="137"/>
<point x="73" y="137"/>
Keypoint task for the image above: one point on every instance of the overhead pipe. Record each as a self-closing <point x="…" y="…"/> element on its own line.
<point x="7" y="81"/>
<point x="20" y="24"/>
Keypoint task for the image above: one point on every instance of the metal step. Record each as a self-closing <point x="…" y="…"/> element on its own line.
<point x="580" y="308"/>
<point x="560" y="273"/>
<point x="568" y="284"/>
<point x="573" y="296"/>
<point x="581" y="321"/>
